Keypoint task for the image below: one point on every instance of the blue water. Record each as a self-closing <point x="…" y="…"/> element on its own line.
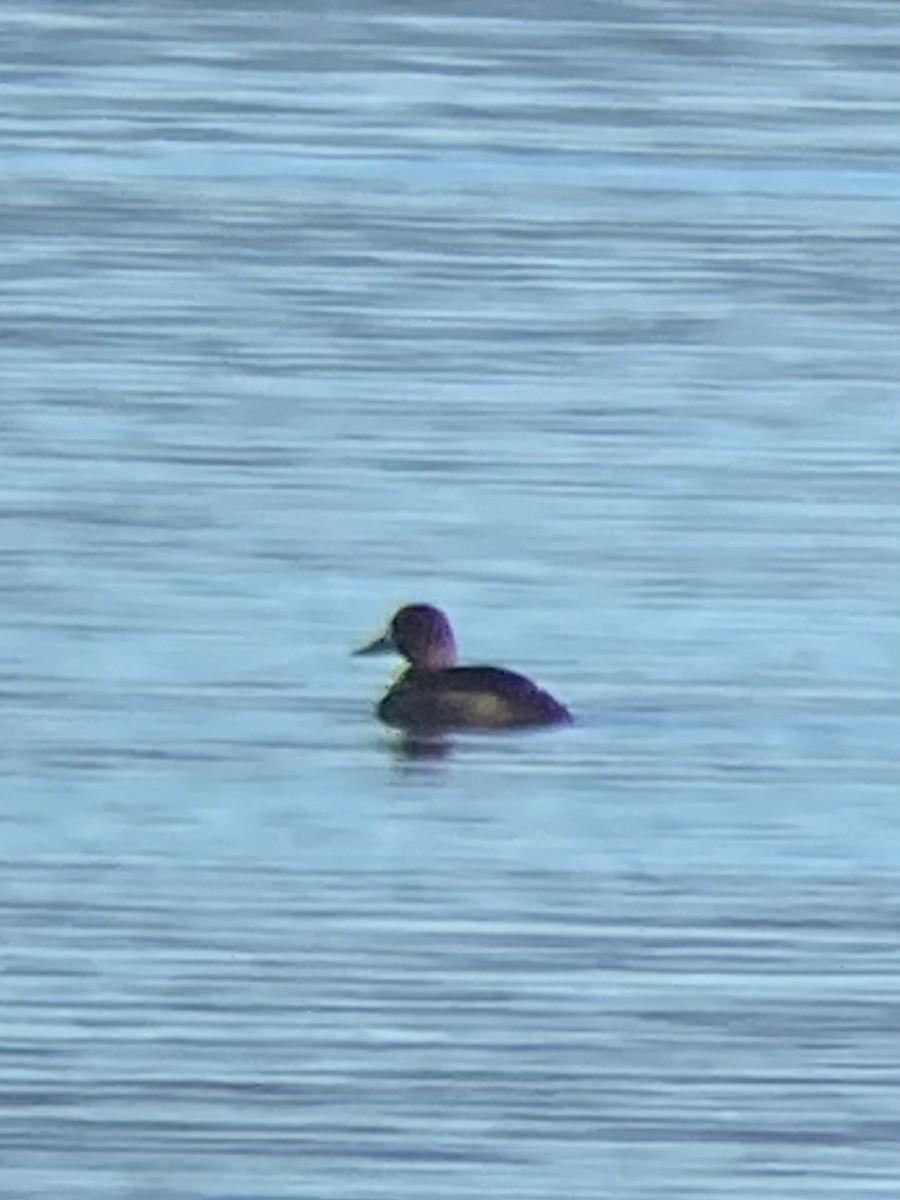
<point x="582" y="323"/>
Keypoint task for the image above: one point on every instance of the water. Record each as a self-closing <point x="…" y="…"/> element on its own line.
<point x="581" y="322"/>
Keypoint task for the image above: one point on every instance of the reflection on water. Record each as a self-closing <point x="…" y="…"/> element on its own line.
<point x="583" y="326"/>
<point x="411" y="749"/>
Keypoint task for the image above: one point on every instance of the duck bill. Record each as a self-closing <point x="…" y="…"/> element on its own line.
<point x="381" y="645"/>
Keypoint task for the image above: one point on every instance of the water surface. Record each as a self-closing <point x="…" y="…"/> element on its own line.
<point x="581" y="322"/>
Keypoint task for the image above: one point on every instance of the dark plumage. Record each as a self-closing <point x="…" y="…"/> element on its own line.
<point x="434" y="695"/>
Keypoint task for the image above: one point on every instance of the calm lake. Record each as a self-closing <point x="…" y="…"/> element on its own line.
<point x="581" y="320"/>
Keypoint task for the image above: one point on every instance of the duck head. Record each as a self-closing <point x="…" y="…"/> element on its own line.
<point x="422" y="634"/>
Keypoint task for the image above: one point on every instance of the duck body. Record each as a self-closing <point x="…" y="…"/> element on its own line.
<point x="467" y="698"/>
<point x="434" y="695"/>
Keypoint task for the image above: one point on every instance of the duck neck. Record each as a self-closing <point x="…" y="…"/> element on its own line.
<point x="439" y="656"/>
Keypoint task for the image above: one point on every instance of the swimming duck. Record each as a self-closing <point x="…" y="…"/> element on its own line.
<point x="434" y="695"/>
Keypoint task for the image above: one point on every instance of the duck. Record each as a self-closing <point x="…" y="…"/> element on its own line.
<point x="433" y="695"/>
